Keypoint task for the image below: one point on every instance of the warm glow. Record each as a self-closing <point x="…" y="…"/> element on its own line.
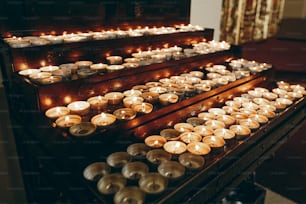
<point x="47" y="101"/>
<point x="67" y="99"/>
<point x="42" y="63"/>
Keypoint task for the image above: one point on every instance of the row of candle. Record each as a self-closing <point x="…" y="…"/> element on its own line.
<point x="253" y="66"/>
<point x="85" y="68"/>
<point x="190" y="140"/>
<point x="27" y="41"/>
<point x="236" y="119"/>
<point x="140" y="99"/>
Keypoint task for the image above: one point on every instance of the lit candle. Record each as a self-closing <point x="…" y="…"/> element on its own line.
<point x="97" y="102"/>
<point x="215" y="124"/>
<point x="241" y="131"/>
<point x="49" y="80"/>
<point x="169" y="98"/>
<point x="28" y="72"/>
<point x="231" y="103"/>
<point x="114" y="60"/>
<point x="230" y="109"/>
<point x="158" y="89"/>
<point x="183" y="127"/>
<point x="39" y="75"/>
<point x="68" y="120"/>
<point x="100" y="67"/>
<point x="150" y="97"/>
<point x="57" y="112"/>
<point x="214" y="141"/>
<point x="125" y="114"/>
<point x="226" y="119"/>
<point x="284" y="101"/>
<point x="131" y="100"/>
<point x="206" y="116"/>
<point x="224" y="133"/>
<point x="189" y="137"/>
<point x="79" y="107"/>
<point x="270" y="96"/>
<point x="216" y="111"/>
<point x="114" y="97"/>
<point x="250" y="123"/>
<point x="143" y="108"/>
<point x="48" y="68"/>
<point x="175" y="147"/>
<point x="198" y="148"/>
<point x="84" y="64"/>
<point x="113" y="68"/>
<point x="155" y="141"/>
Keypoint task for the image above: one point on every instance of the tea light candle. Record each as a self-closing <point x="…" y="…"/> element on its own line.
<point x="57" y="112"/>
<point x="132" y="92"/>
<point x="189" y="137"/>
<point x="142" y="88"/>
<point x="214" y="141"/>
<point x="68" y="120"/>
<point x="284" y="101"/>
<point x="183" y="127"/>
<point x="279" y="91"/>
<point x="175" y="147"/>
<point x="39" y="75"/>
<point x="250" y="106"/>
<point x="224" y="133"/>
<point x="232" y="103"/>
<point x="170" y="134"/>
<point x="84" y="64"/>
<point x="198" y="148"/>
<point x="198" y="74"/>
<point x="215" y="124"/>
<point x="261" y="89"/>
<point x="65" y="73"/>
<point x="216" y="111"/>
<point x="49" y="80"/>
<point x="230" y="109"/>
<point x="97" y="102"/>
<point x="169" y="98"/>
<point x="103" y="119"/>
<point x="150" y="97"/>
<point x="203" y="130"/>
<point x="195" y="121"/>
<point x="268" y="107"/>
<point x="131" y="60"/>
<point x="241" y="100"/>
<point x="202" y="87"/>
<point x="250" y="123"/>
<point x="48" y="68"/>
<point x="226" y="119"/>
<point x="267" y="113"/>
<point x="155" y="141"/>
<point x="255" y="94"/>
<point x="206" y="116"/>
<point x="79" y="107"/>
<point x="143" y="108"/>
<point x="270" y="96"/>
<point x="239" y="115"/>
<point x="114" y="97"/>
<point x="131" y="100"/>
<point x="241" y="131"/>
<point x="261" y="101"/>
<point x="125" y="114"/>
<point x="158" y="89"/>
<point x="130" y="65"/>
<point x="100" y="67"/>
<point x="113" y="68"/>
<point x="28" y="72"/>
<point x="114" y="60"/>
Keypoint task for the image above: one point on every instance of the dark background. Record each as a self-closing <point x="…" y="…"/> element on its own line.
<point x="70" y="15"/>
